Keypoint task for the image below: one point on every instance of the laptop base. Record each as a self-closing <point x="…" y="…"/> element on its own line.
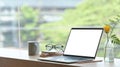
<point x="65" y="59"/>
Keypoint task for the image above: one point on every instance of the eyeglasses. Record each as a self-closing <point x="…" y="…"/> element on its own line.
<point x="57" y="47"/>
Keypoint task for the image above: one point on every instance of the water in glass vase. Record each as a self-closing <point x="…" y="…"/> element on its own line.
<point x="109" y="52"/>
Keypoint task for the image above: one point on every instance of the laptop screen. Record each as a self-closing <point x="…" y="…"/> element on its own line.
<point x="83" y="42"/>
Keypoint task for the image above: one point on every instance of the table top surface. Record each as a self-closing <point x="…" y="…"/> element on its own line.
<point x="23" y="55"/>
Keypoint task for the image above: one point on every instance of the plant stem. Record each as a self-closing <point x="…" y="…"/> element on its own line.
<point x="106" y="45"/>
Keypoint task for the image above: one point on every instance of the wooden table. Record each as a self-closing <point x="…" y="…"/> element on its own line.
<point x="20" y="58"/>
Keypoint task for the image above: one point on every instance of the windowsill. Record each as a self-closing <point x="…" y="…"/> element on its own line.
<point x="15" y="56"/>
<point x="14" y="53"/>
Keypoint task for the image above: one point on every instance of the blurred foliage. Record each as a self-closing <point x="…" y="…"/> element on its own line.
<point x="29" y="20"/>
<point x="93" y="13"/>
<point x="30" y="17"/>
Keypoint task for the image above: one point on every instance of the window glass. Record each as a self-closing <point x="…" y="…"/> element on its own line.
<point x="8" y="23"/>
<point x="50" y="20"/>
<point x="29" y="21"/>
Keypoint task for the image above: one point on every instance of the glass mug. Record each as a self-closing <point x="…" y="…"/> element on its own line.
<point x="33" y="48"/>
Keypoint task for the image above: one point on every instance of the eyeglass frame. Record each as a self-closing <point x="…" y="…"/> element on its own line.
<point x="51" y="46"/>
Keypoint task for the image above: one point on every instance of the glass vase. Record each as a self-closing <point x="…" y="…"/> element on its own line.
<point x="109" y="51"/>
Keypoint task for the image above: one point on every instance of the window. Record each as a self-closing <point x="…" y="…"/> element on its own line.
<point x="50" y="20"/>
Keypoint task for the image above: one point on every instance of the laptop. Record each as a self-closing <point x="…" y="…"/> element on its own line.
<point x="82" y="45"/>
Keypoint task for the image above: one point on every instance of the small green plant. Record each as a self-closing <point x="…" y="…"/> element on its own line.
<point x="109" y="29"/>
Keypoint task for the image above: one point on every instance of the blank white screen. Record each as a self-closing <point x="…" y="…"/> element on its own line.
<point x="82" y="42"/>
